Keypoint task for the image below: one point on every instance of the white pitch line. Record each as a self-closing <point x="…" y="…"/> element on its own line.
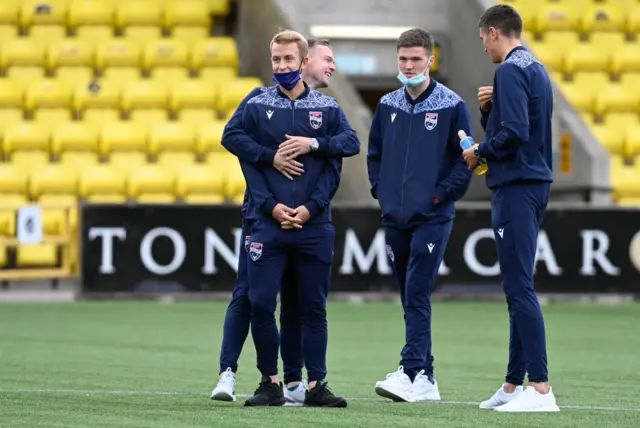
<point x="193" y="394"/>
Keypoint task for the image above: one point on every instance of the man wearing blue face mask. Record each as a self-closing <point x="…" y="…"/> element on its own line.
<point x="416" y="172"/>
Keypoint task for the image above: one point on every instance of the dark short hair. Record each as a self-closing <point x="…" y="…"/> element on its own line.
<point x="318" y="42"/>
<point x="502" y="17"/>
<point x="416" y="37"/>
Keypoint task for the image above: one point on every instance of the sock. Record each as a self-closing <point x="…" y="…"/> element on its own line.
<point x="293" y="388"/>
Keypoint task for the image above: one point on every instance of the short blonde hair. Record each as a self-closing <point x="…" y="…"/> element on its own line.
<point x="290" y="36"/>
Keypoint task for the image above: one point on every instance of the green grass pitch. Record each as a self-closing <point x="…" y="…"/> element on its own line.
<point x="133" y="364"/>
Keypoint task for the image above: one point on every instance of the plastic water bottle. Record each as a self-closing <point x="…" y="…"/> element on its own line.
<point x="466" y="142"/>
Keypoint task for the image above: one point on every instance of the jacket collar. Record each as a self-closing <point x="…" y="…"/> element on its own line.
<point x="423" y="96"/>
<point x="303" y="95"/>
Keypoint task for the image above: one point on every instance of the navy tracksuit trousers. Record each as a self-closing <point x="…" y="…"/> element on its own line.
<point x="310" y="250"/>
<point x="416" y="254"/>
<point x="238" y="318"/>
<point x="517" y="213"/>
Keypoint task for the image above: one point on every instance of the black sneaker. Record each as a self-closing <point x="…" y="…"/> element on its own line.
<point x="267" y="394"/>
<point x="321" y="396"/>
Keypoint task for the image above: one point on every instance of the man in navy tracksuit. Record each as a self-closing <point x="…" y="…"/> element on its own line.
<point x="417" y="172"/>
<point x="317" y="71"/>
<point x="516" y="115"/>
<point x="291" y="220"/>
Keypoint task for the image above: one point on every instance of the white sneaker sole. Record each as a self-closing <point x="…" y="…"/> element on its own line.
<point x="428" y="397"/>
<point x="293" y="404"/>
<point x="396" y="396"/>
<point x="535" y="409"/>
<point x="223" y="396"/>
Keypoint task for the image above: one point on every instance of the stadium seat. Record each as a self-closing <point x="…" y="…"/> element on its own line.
<point x="45" y="13"/>
<point x="122" y="136"/>
<point x="142" y="35"/>
<point x="566" y="39"/>
<point x="176" y="161"/>
<point x="209" y="138"/>
<point x="548" y="53"/>
<point x="632" y="141"/>
<point x="120" y="77"/>
<point x="138" y="13"/>
<point x="103" y="95"/>
<point x="101" y="116"/>
<point x="77" y="161"/>
<point x="591" y="81"/>
<point x="90" y="12"/>
<point x="48" y="93"/>
<point x="556" y="16"/>
<point x="45" y="34"/>
<point x="186" y="13"/>
<point x="13" y="183"/>
<point x="36" y="255"/>
<point x="11" y="93"/>
<point x="144" y="94"/>
<point x="53" y="179"/>
<point x="9" y="12"/>
<point x="192" y="94"/>
<point x="631" y="80"/>
<point x="8" y="117"/>
<point x="588" y="118"/>
<point x="74" y="137"/>
<point x="234" y="182"/>
<point x="611" y="138"/>
<point x="151" y="184"/>
<point x="8" y="32"/>
<point x="171" y="137"/>
<point x="215" y="52"/>
<point x="148" y="118"/>
<point x="22" y="52"/>
<point x="621" y="120"/>
<point x="103" y="183"/>
<point x="609" y="41"/>
<point x="616" y="98"/>
<point x="166" y="53"/>
<point x="585" y="57"/>
<point x="200" y="184"/>
<point x="70" y="53"/>
<point x="127" y="161"/>
<point x="30" y="160"/>
<point x="233" y="93"/>
<point x="94" y="35"/>
<point x="633" y="19"/>
<point x="9" y="204"/>
<point x="117" y="53"/>
<point x="626" y="58"/>
<point x="217" y="76"/>
<point x="602" y="17"/>
<point x="25" y="136"/>
<point x="73" y="76"/>
<point x="527" y="11"/>
<point x="169" y="76"/>
<point x="50" y="118"/>
<point x="189" y="116"/>
<point x="219" y="7"/>
<point x="189" y="35"/>
<point x="579" y="96"/>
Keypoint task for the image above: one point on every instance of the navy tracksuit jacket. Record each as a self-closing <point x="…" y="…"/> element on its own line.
<point x="266" y="119"/>
<point x="417" y="172"/>
<point x="237" y="320"/>
<point x="518" y="150"/>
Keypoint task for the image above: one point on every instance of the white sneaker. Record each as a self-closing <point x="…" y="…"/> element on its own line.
<point x="397" y="386"/>
<point x="295" y="397"/>
<point x="500" y="398"/>
<point x="531" y="401"/>
<point x="423" y="389"/>
<point x="225" y="390"/>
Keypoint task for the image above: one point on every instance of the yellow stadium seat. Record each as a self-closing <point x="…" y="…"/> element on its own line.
<point x="36" y="255"/>
<point x="556" y="16"/>
<point x="616" y="98"/>
<point x="47" y="93"/>
<point x="168" y="77"/>
<point x="144" y="94"/>
<point x="234" y="92"/>
<point x="588" y="118"/>
<point x="142" y="35"/>
<point x="127" y="161"/>
<point x="140" y="12"/>
<point x="234" y="182"/>
<point x="22" y="52"/>
<point x="611" y="138"/>
<point x="53" y="179"/>
<point x="189" y="34"/>
<point x="13" y="181"/>
<point x="8" y="32"/>
<point x="30" y="159"/>
<point x="165" y="53"/>
<point x="632" y="140"/>
<point x="151" y="183"/>
<point x="585" y="57"/>
<point x="602" y="17"/>
<point x="49" y="118"/>
<point x="101" y="116"/>
<point x="11" y="93"/>
<point x="96" y="96"/>
<point x="630" y="79"/>
<point x="69" y="52"/>
<point x="120" y="78"/>
<point x="38" y="12"/>
<point x="217" y="76"/>
<point x="122" y="136"/>
<point x="10" y="202"/>
<point x="25" y="136"/>
<point x="9" y="117"/>
<point x="566" y="39"/>
<point x="527" y="36"/>
<point x="25" y="74"/>
<point x="90" y="12"/>
<point x="215" y="52"/>
<point x="209" y="137"/>
<point x="94" y="34"/>
<point x="591" y="81"/>
<point x="117" y="53"/>
<point x="74" y="136"/>
<point x="103" y="183"/>
<point x="219" y="7"/>
<point x="607" y="40"/>
<point x="193" y="93"/>
<point x="186" y="12"/>
<point x="148" y="118"/>
<point x="549" y="54"/>
<point x="200" y="183"/>
<point x="176" y="161"/>
<point x="626" y="58"/>
<point x="45" y="34"/>
<point x="9" y="12"/>
<point x="74" y="76"/>
<point x="193" y="117"/>
<point x="78" y="162"/>
<point x="633" y="19"/>
<point x="621" y="120"/>
<point x="171" y="137"/>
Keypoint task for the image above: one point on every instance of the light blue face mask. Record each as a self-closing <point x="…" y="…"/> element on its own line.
<point x="415" y="81"/>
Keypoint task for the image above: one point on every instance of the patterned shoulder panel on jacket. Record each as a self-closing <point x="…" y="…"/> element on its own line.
<point x="440" y="99"/>
<point x="522" y="59"/>
<point x="315" y="99"/>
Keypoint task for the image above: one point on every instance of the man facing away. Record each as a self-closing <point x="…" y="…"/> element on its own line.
<point x="516" y="115"/>
<point x="417" y="172"/>
<point x="291" y="219"/>
<point x="317" y="71"/>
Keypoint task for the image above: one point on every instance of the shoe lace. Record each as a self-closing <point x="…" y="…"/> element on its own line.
<point x="397" y="373"/>
<point x="264" y="386"/>
<point x="226" y="377"/>
<point x="325" y="391"/>
<point x="422" y="379"/>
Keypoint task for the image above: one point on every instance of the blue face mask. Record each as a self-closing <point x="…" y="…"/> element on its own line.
<point x="287" y="80"/>
<point x="415" y="81"/>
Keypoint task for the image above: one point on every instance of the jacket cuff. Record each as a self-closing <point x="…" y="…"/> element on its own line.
<point x="314" y="208"/>
<point x="267" y="156"/>
<point x="323" y="145"/>
<point x="441" y="195"/>
<point x="482" y="149"/>
<point x="267" y="206"/>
